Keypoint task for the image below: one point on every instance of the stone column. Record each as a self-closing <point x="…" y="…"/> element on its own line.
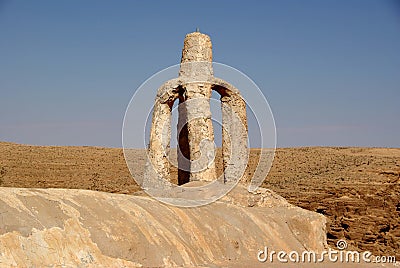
<point x="234" y="136"/>
<point x="158" y="150"/>
<point x="196" y="137"/>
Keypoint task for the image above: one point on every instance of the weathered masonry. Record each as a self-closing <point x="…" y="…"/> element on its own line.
<point x="193" y="89"/>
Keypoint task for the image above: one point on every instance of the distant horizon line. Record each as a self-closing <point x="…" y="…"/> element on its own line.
<point x="283" y="147"/>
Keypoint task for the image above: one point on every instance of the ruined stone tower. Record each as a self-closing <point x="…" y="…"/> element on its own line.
<point x="193" y="89"/>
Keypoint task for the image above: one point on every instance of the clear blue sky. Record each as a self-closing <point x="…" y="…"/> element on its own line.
<point x="329" y="69"/>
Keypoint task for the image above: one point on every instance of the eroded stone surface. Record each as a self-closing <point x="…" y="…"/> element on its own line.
<point x="87" y="228"/>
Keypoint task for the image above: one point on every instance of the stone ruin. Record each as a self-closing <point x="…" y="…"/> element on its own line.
<point x="196" y="149"/>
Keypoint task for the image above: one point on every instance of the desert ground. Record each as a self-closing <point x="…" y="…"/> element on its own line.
<point x="357" y="189"/>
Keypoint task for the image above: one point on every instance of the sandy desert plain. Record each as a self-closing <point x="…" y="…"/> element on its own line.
<point x="357" y="189"/>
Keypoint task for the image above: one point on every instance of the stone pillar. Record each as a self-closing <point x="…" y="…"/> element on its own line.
<point x="196" y="138"/>
<point x="158" y="150"/>
<point x="234" y="136"/>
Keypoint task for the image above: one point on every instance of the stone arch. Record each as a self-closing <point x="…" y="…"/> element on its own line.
<point x="234" y="130"/>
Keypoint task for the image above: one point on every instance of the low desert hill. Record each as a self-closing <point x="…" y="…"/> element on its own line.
<point x="357" y="189"/>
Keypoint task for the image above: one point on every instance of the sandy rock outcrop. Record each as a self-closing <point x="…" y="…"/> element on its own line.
<point x="70" y="228"/>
